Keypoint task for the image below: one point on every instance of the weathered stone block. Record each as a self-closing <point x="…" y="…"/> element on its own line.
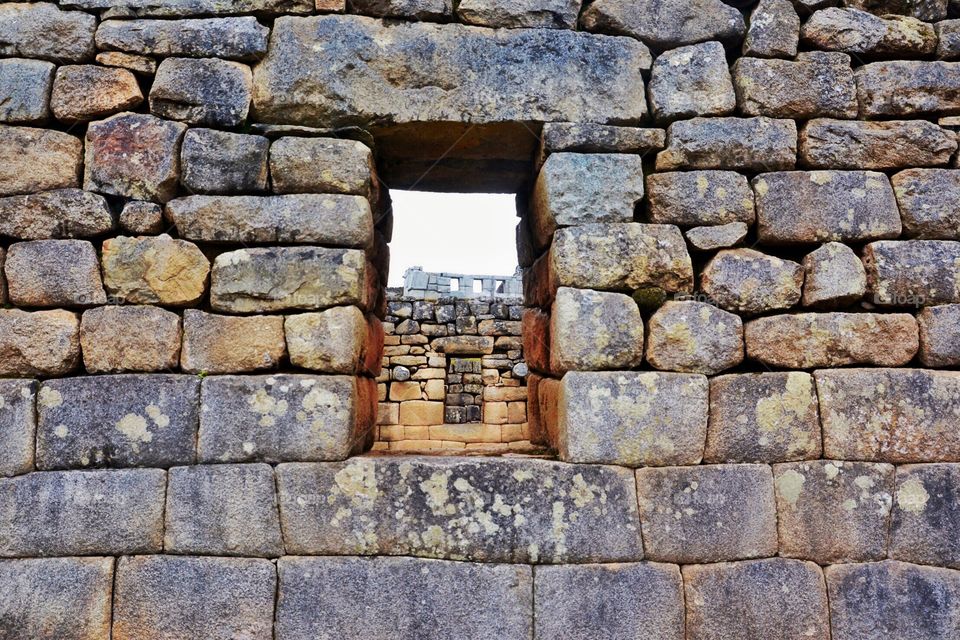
<point x="691" y="81"/>
<point x="63" y="213"/>
<point x="889" y="415"/>
<point x="593" y="330"/>
<point x="746" y="144"/>
<point x="707" y="513"/>
<point x="832" y="511"/>
<point x="75" y="513"/>
<point x="929" y="202"/>
<point x="116" y="339"/>
<point x="666" y="24"/>
<point x="940" y="335"/>
<point x="579" y="601"/>
<point x="536" y="339"/>
<point x="694" y="337"/>
<point x="222" y="510"/>
<point x="33" y="160"/>
<point x="819" y="206"/>
<point x="142" y="218"/>
<point x="44" y="343"/>
<point x="691" y="198"/>
<point x="228" y="344"/>
<point x="773" y="598"/>
<point x="338" y="340"/>
<point x="426" y="10"/>
<point x="913" y="272"/>
<point x="576" y="189"/>
<point x="53" y="273"/>
<point x="133" y="155"/>
<point x="749" y="282"/>
<point x="178" y="8"/>
<point x="948" y="39"/>
<point x="893" y="599"/>
<point x="929" y="10"/>
<point x="169" y="597"/>
<point x="815" y="84"/>
<point x="86" y="92"/>
<point x="908" y="88"/>
<point x="893" y="144"/>
<point x="18" y="424"/>
<point x="228" y="38"/>
<point x="205" y="91"/>
<point x="810" y="340"/>
<point x="337" y="220"/>
<point x="495" y="510"/>
<point x="552" y="84"/>
<point x="859" y="32"/>
<point x="763" y="417"/>
<point x="422" y="413"/>
<point x="218" y="162"/>
<point x="154" y="270"/>
<point x="321" y="165"/>
<point x="464" y="345"/>
<point x="25" y="90"/>
<point x="42" y="30"/>
<point x="723" y="236"/>
<point x="631" y="419"/>
<point x="272" y="279"/>
<point x="414" y="599"/>
<point x="774" y="30"/>
<point x="586" y="137"/>
<point x="117" y="421"/>
<point x="835" y="277"/>
<point x="925" y="515"/>
<point x="520" y="14"/>
<point x="283" y="417"/>
<point x="140" y="65"/>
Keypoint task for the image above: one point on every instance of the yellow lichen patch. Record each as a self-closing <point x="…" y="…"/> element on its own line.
<point x="790" y="485"/>
<point x="779" y="410"/>
<point x="435" y="488"/>
<point x="358" y="483"/>
<point x="156" y="414"/>
<point x="134" y="427"/>
<point x="49" y="398"/>
<point x="912" y="496"/>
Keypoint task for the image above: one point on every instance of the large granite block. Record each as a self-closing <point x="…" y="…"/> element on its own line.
<point x="45" y="343"/>
<point x="746" y="144"/>
<point x="912" y="273"/>
<point x="926" y="515"/>
<point x="593" y="331"/>
<point x="34" y="160"/>
<point x="42" y="30"/>
<point x="338" y="340"/>
<point x="227" y="38"/>
<point x="18" y="425"/>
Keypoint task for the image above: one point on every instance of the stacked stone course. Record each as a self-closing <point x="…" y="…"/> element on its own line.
<point x="740" y="244"/>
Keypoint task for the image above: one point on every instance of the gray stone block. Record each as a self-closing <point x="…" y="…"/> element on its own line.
<point x="228" y="38"/>
<point x="219" y="162"/>
<point x="403" y="599"/>
<point x="18" y="425"/>
<point x="42" y="30"/>
<point x="940" y="335"/>
<point x="322" y="165"/>
<point x="694" y="337"/>
<point x="63" y="513"/>
<point x="747" y="144"/>
<point x="691" y="81"/>
<point x="25" y="90"/>
<point x="494" y="510"/>
<point x="915" y="273"/>
<point x="594" y="331"/>
<point x="926" y="515"/>
<point x="62" y="213"/>
<point x="929" y="202"/>
<point x="117" y="421"/>
<point x="666" y="24"/>
<point x="691" y="198"/>
<point x="53" y="273"/>
<point x="222" y="510"/>
<point x="814" y="84"/>
<point x="206" y="91"/>
<point x="908" y="88"/>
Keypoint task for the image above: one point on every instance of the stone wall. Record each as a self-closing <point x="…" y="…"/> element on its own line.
<point x="739" y="235"/>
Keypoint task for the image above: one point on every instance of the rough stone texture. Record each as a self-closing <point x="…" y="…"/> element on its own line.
<point x="616" y="600"/>
<point x="133" y="155"/>
<point x="948" y="39"/>
<point x="666" y="24"/>
<point x="64" y="513"/>
<point x="460" y="509"/>
<point x="33" y="160"/>
<point x="707" y="513"/>
<point x="321" y="165"/>
<point x="834" y="277"/>
<point x="895" y="144"/>
<point x="859" y="32"/>
<point x="205" y="91"/>
<point x="889" y="415"/>
<point x="763" y="417"/>
<point x="929" y="202"/>
<point x="42" y="30"/>
<point x="746" y="144"/>
<point x="63" y="598"/>
<point x="929" y="10"/>
<point x="518" y="14"/>
<point x="282" y="418"/>
<point x="228" y="38"/>
<point x="63" y="213"/>
<point x="222" y="510"/>
<point x="414" y="599"/>
<point x="154" y="270"/>
<point x="18" y="425"/>
<point x="427" y="10"/>
<point x="774" y="30"/>
<point x="925" y="513"/>
<point x="773" y="598"/>
<point x="632" y="419"/>
<point x="691" y="81"/>
<point x="833" y="511"/>
<point x="86" y="92"/>
<point x="141" y="65"/>
<point x="176" y="8"/>
<point x="940" y="335"/>
<point x="25" y="90"/>
<point x="336" y="220"/>
<point x="749" y="282"/>
<point x="912" y="273"/>
<point x="462" y="60"/>
<point x="816" y="84"/>
<point x="810" y="340"/>
<point x="117" y="421"/>
<point x="908" y="88"/>
<point x="35" y="343"/>
<point x="167" y="598"/>
<point x="821" y="206"/>
<point x="694" y="337"/>
<point x="593" y="330"/>
<point x="576" y="189"/>
<point x="464" y="345"/>
<point x="228" y="344"/>
<point x="117" y="339"/>
<point x="723" y="236"/>
<point x="338" y="340"/>
<point x="53" y="273"/>
<point x="218" y="162"/>
<point x="142" y="218"/>
<point x="585" y="137"/>
<point x="894" y="600"/>
<point x="272" y="279"/>
<point x="691" y="198"/>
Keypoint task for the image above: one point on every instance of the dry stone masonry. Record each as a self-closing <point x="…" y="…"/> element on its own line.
<point x="722" y="404"/>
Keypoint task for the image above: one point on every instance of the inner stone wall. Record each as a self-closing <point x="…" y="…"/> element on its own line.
<point x="739" y="237"/>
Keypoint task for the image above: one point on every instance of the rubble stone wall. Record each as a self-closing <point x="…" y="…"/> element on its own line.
<point x="740" y="236"/>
